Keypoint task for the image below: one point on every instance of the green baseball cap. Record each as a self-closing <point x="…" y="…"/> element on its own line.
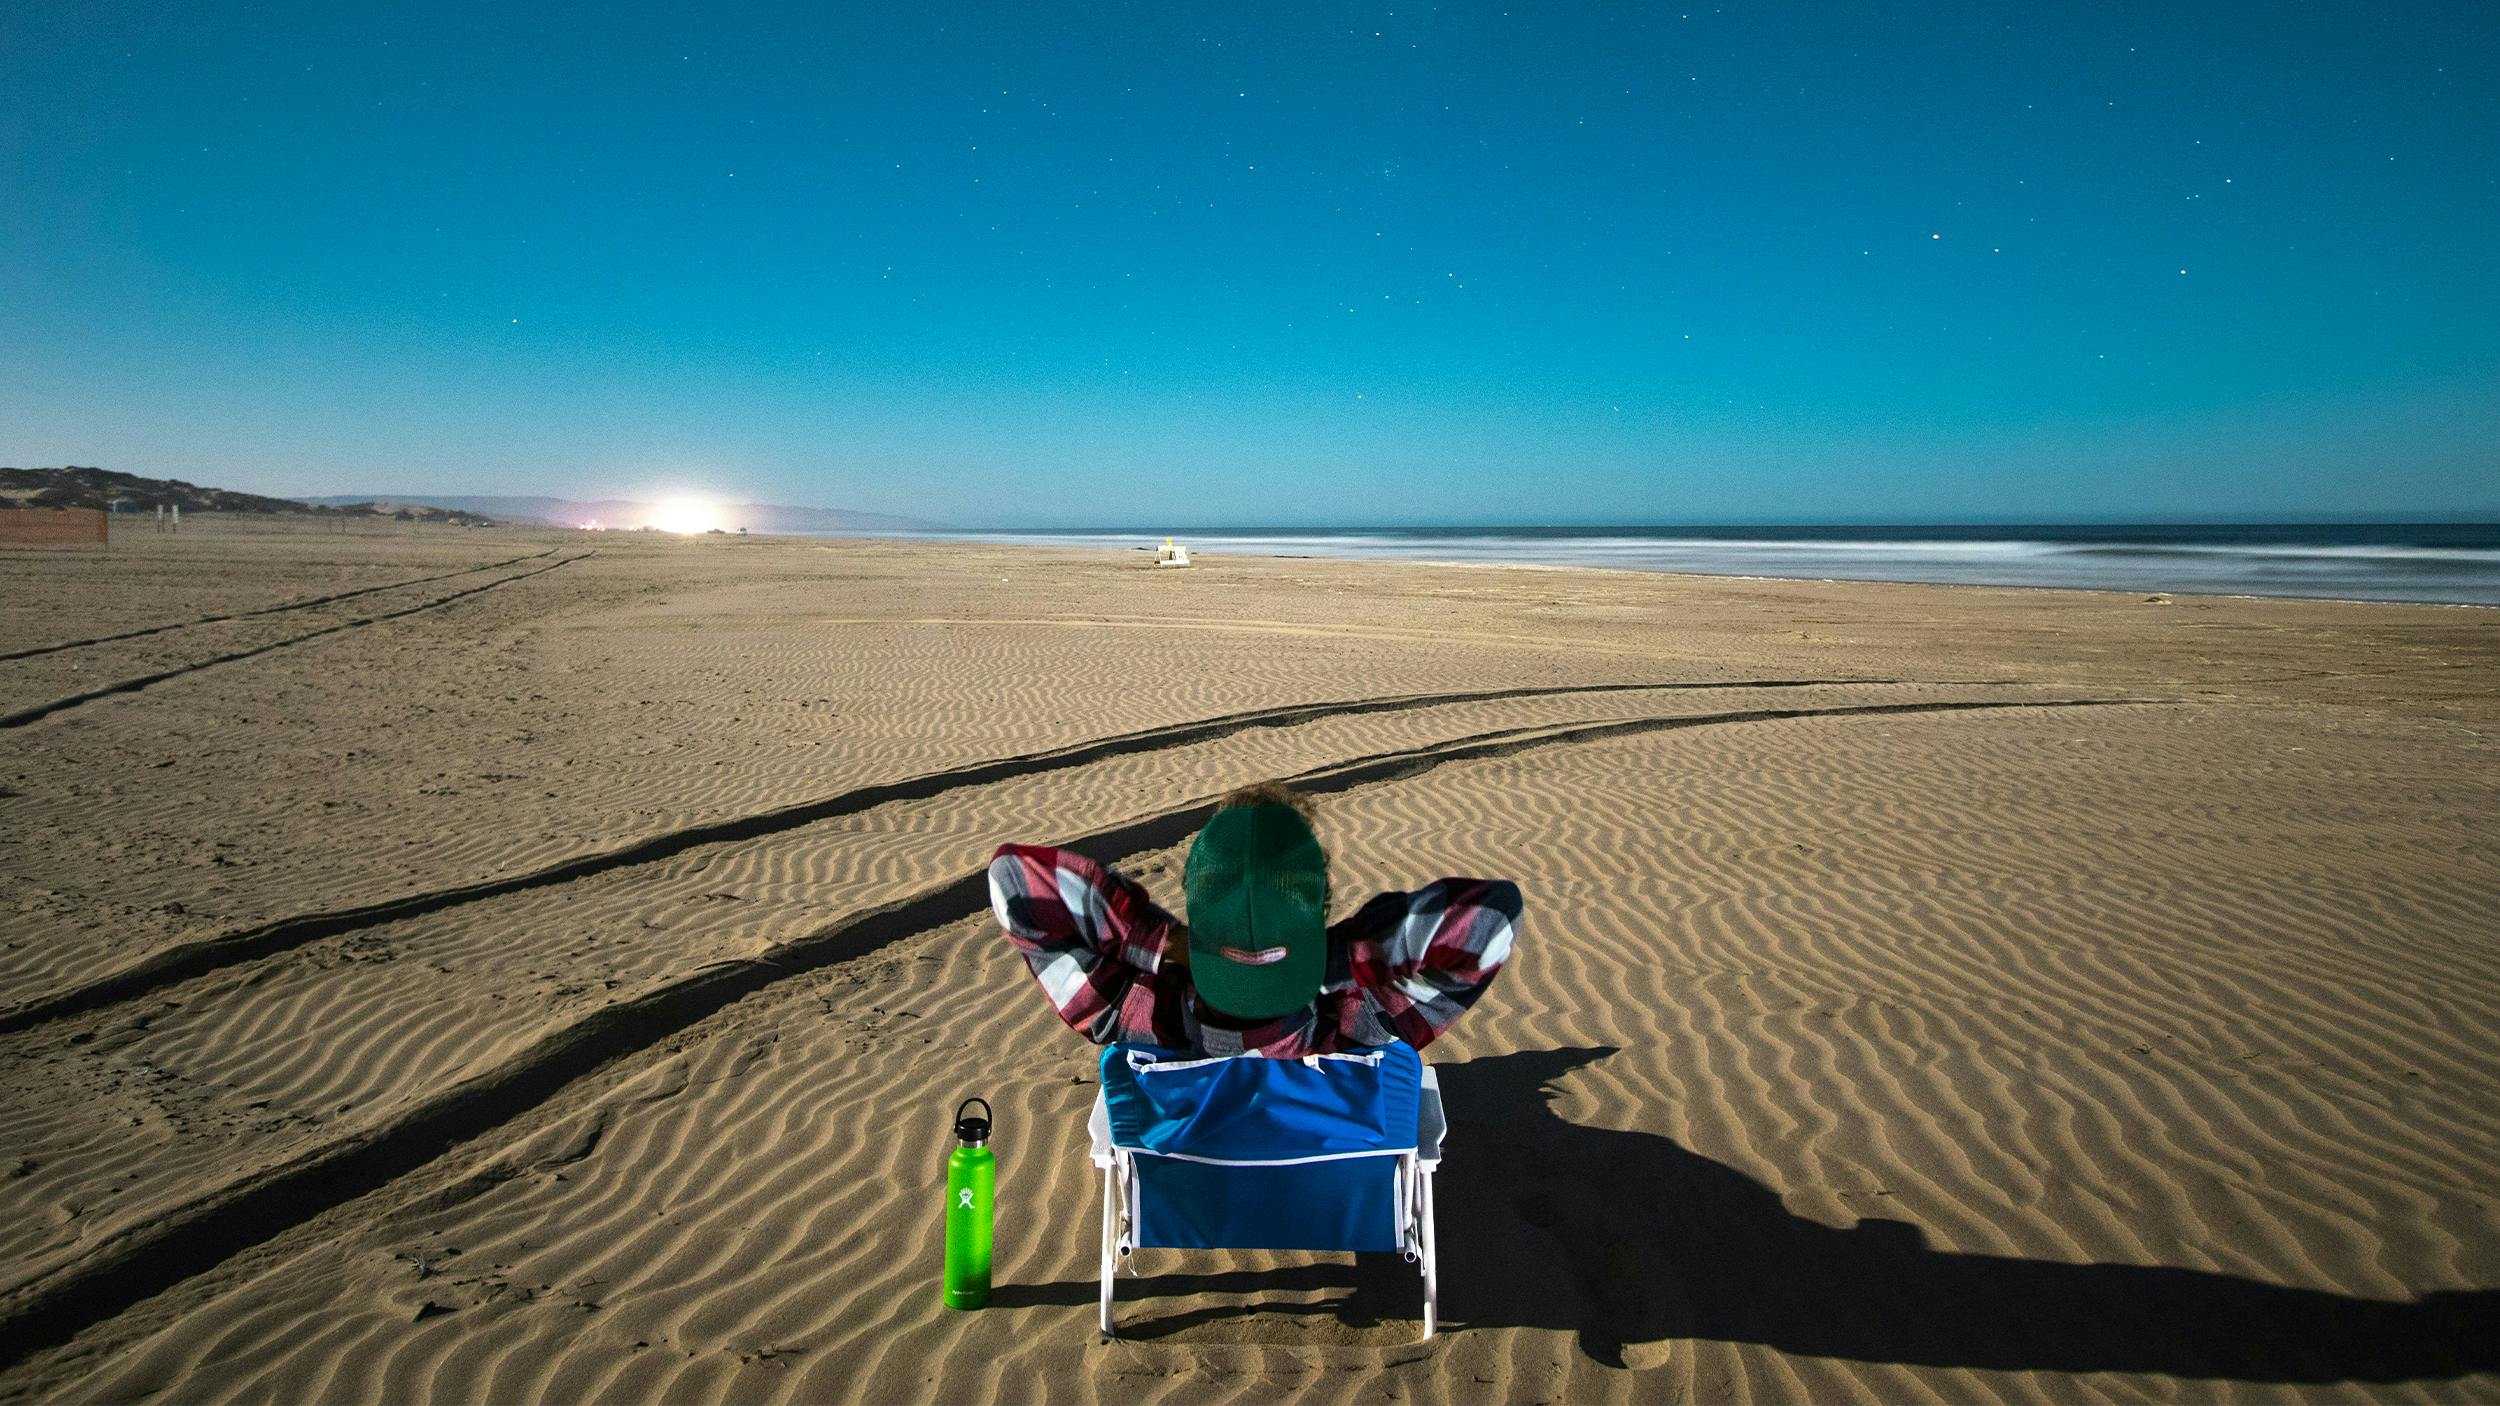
<point x="1258" y="912"/>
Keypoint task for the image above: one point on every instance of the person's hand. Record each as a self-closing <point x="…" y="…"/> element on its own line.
<point x="1176" y="949"/>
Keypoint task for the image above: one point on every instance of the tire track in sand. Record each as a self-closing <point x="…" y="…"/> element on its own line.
<point x="305" y="604"/>
<point x="40" y="711"/>
<point x="138" y="1264"/>
<point x="193" y="959"/>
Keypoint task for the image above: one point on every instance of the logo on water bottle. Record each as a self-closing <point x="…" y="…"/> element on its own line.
<point x="963" y="1198"/>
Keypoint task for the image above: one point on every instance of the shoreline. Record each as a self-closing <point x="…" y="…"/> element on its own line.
<point x="1242" y="544"/>
<point x="1886" y="581"/>
<point x="1037" y="541"/>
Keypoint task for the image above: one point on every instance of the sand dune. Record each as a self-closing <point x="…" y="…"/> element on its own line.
<point x="1924" y="1038"/>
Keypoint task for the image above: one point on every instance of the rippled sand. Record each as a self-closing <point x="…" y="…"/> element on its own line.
<point x="484" y="965"/>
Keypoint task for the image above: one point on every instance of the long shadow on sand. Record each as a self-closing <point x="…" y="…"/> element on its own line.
<point x="1628" y="1240"/>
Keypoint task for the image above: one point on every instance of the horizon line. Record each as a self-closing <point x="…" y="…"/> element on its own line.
<point x="2482" y="518"/>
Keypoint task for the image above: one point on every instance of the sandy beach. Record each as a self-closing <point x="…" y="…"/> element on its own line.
<point x="506" y="964"/>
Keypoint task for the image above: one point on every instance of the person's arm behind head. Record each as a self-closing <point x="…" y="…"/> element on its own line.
<point x="1419" y="960"/>
<point x="1094" y="940"/>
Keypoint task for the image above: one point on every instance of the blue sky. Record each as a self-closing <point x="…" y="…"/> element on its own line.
<point x="1149" y="265"/>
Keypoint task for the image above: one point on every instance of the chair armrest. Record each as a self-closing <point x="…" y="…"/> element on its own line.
<point x="1430" y="1126"/>
<point x="1098" y="1129"/>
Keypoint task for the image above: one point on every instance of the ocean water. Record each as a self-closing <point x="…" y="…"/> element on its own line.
<point x="2444" y="563"/>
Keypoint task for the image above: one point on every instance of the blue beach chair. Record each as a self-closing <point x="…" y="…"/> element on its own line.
<point x="1327" y="1152"/>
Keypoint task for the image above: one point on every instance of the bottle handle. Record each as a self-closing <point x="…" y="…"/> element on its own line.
<point x="973" y="1131"/>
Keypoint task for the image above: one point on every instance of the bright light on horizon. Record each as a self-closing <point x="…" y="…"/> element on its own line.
<point x="687" y="515"/>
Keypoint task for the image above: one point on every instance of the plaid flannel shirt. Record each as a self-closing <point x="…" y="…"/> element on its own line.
<point x="1404" y="966"/>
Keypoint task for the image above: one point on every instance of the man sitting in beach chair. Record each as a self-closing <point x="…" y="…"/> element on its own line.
<point x="1330" y="1141"/>
<point x="1257" y="970"/>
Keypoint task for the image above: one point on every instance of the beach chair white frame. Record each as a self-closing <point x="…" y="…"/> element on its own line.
<point x="1415" y="1172"/>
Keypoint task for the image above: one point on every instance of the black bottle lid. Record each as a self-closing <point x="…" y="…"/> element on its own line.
<point x="973" y="1132"/>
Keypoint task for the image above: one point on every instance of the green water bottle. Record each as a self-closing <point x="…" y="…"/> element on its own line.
<point x="971" y="1176"/>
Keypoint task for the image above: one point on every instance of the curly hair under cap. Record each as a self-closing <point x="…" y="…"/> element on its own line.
<point x="1271" y="793"/>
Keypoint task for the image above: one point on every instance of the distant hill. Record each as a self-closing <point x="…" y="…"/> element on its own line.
<point x="627" y="513"/>
<point x="76" y="487"/>
<point x="404" y="512"/>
